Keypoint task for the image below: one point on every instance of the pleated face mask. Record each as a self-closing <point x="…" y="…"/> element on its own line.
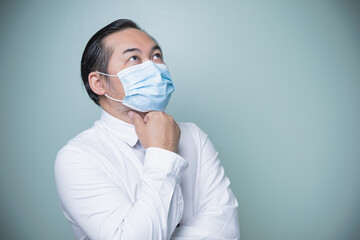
<point x="147" y="86"/>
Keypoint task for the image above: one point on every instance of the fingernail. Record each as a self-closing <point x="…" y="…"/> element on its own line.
<point x="131" y="113"/>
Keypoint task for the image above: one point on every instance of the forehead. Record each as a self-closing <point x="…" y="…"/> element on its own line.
<point x="126" y="38"/>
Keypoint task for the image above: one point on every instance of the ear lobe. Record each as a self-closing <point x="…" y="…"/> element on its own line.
<point x="96" y="85"/>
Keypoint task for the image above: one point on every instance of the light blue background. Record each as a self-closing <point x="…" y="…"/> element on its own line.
<point x="275" y="84"/>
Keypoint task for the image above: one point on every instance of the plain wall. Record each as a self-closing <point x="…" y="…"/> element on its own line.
<point x="275" y="84"/>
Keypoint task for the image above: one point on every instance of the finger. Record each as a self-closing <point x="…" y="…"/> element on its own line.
<point x="146" y="119"/>
<point x="136" y="120"/>
<point x="148" y="116"/>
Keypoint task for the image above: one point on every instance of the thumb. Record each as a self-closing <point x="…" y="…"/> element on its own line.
<point x="136" y="120"/>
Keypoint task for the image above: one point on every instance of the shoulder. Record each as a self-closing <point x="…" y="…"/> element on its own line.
<point x="88" y="139"/>
<point x="83" y="141"/>
<point x="190" y="132"/>
<point x="191" y="128"/>
<point x="80" y="148"/>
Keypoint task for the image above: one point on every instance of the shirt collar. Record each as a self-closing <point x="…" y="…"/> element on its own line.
<point x="123" y="130"/>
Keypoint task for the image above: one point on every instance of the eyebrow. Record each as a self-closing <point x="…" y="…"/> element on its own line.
<point x="155" y="47"/>
<point x="132" y="50"/>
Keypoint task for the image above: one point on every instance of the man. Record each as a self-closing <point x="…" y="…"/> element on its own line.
<point x="137" y="174"/>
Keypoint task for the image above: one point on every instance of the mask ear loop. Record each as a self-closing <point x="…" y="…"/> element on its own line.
<point x="109" y="75"/>
<point x="116" y="100"/>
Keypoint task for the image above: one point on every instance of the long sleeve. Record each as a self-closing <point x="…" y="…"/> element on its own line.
<point x="216" y="214"/>
<point x="102" y="208"/>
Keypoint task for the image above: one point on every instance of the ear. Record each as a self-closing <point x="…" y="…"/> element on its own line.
<point x="96" y="83"/>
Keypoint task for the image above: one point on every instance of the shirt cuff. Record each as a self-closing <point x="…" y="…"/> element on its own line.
<point x="165" y="161"/>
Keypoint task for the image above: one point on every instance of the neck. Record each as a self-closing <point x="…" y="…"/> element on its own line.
<point x="118" y="110"/>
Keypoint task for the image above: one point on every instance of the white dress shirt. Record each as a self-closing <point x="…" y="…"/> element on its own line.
<point x="110" y="187"/>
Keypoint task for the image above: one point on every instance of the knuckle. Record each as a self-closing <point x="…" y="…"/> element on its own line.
<point x="155" y="114"/>
<point x="170" y="118"/>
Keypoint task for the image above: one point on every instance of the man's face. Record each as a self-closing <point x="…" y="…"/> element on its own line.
<point x="130" y="47"/>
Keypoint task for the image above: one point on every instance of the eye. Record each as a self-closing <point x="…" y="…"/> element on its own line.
<point x="134" y="59"/>
<point x="157" y="56"/>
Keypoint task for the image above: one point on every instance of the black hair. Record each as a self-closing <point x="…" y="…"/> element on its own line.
<point x="96" y="55"/>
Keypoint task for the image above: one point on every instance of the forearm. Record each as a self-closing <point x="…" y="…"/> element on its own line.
<point x="147" y="219"/>
<point x="212" y="222"/>
<point x="103" y="209"/>
<point x="159" y="205"/>
<point x="215" y="215"/>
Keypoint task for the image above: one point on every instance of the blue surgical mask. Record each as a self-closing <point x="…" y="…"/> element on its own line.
<point x="147" y="86"/>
